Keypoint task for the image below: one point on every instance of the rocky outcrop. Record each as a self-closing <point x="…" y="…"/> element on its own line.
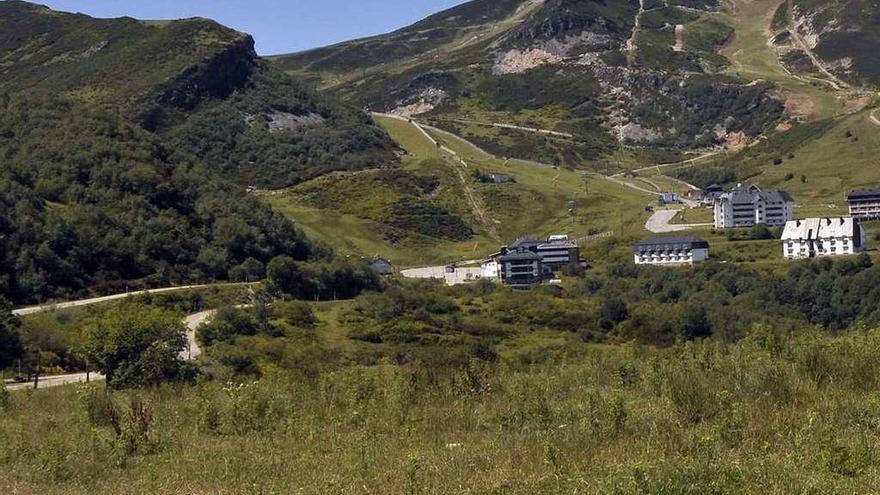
<point x="216" y="77"/>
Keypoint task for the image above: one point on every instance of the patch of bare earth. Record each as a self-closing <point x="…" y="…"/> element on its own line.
<point x="857" y="103"/>
<point x="412" y="109"/>
<point x="519" y="61"/>
<point x="798" y="106"/>
<point x="680" y="36"/>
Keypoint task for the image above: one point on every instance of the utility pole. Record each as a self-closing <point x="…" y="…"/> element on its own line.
<point x="37" y="372"/>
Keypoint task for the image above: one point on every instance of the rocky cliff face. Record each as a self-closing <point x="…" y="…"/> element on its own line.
<point x="216" y="77"/>
<point x="559" y="19"/>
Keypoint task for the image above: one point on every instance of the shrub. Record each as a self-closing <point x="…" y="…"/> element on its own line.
<point x="136" y="345"/>
<point x="226" y="324"/>
<point x="97" y="405"/>
<point x="298" y="314"/>
<point x="5" y="398"/>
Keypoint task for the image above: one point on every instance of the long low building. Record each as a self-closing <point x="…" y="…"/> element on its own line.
<point x="678" y="250"/>
<point x="864" y="205"/>
<point x="814" y="237"/>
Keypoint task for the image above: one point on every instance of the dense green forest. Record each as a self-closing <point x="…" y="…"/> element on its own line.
<point x="92" y="202"/>
<point x="237" y="137"/>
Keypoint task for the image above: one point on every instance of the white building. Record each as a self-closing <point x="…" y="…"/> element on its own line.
<point x="822" y="237"/>
<point x="671" y="251"/>
<point x="489" y="269"/>
<point x="749" y="206"/>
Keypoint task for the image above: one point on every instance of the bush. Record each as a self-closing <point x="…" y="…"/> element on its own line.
<point x="298" y="314"/>
<point x="135" y="346"/>
<point x="97" y="405"/>
<point x="227" y="324"/>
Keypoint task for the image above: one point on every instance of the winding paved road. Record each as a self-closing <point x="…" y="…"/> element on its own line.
<point x="96" y="300"/>
<point x="55" y="381"/>
<point x="190" y="352"/>
<point x="659" y="223"/>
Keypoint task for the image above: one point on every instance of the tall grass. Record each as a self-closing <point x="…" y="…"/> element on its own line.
<point x="770" y="414"/>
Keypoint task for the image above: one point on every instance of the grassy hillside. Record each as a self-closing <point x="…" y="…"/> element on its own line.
<point x="826" y="151"/>
<point x="847" y="36"/>
<point x="577" y="67"/>
<point x="119" y="61"/>
<point x="624" y="98"/>
<point x="536" y="203"/>
<point x="754" y="58"/>
<point x="410" y="390"/>
<point x="445" y="31"/>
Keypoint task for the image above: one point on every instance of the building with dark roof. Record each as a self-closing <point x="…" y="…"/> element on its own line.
<point x="864" y="205"/>
<point x="500" y="178"/>
<point x="749" y="206"/>
<point x="711" y="194"/>
<point x="674" y="250"/>
<point x="528" y="261"/>
<point x="521" y="268"/>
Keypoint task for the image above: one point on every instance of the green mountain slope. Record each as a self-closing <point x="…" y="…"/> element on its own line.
<point x="120" y="61"/>
<point x="830" y="147"/>
<point x="610" y="86"/>
<point x="90" y="201"/>
<point x="605" y="76"/>
<point x="439" y="31"/>
<point x="195" y="81"/>
<point x="127" y="146"/>
<point x="382" y="211"/>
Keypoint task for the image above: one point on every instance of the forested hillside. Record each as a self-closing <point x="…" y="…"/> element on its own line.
<point x="194" y="82"/>
<point x="91" y="201"/>
<point x="127" y="147"/>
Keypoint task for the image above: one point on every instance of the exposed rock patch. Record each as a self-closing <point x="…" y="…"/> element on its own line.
<point x="413" y="109"/>
<point x="422" y="102"/>
<point x="680" y="34"/>
<point x="94" y="49"/>
<point x="519" y="61"/>
<point x="282" y="121"/>
<point x="635" y="133"/>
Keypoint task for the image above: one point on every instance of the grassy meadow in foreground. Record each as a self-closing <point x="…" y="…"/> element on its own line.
<point x="767" y="415"/>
